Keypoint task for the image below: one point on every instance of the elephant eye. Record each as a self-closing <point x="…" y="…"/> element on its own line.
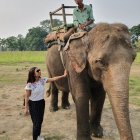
<point x="98" y="60"/>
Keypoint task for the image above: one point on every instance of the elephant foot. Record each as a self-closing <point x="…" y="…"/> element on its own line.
<point x="84" y="138"/>
<point x="53" y="109"/>
<point x="97" y="131"/>
<point x="66" y="106"/>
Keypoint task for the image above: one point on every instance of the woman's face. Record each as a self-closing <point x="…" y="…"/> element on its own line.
<point x="37" y="72"/>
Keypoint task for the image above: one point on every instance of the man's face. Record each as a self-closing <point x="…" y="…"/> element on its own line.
<point x="79" y="2"/>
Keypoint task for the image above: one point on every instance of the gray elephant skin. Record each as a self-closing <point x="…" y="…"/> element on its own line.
<point x="55" y="68"/>
<point x="100" y="63"/>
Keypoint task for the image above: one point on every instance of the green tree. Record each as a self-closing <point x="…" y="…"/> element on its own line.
<point x="135" y="31"/>
<point x="21" y="42"/>
<point x="46" y="24"/>
<point x="135" y="34"/>
<point x="34" y="39"/>
<point x="57" y="22"/>
<point x="2" y="44"/>
<point x="11" y="43"/>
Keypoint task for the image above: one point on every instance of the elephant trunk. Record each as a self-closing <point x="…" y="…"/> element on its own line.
<point x="116" y="84"/>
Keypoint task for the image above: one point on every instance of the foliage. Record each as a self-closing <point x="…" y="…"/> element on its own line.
<point x="135" y="30"/>
<point x="2" y="44"/>
<point x="34" y="39"/>
<point x="11" y="43"/>
<point x="56" y="22"/>
<point x="35" y="36"/>
<point x="135" y="33"/>
<point x="21" y="43"/>
<point x="45" y="24"/>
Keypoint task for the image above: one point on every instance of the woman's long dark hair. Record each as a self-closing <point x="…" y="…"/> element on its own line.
<point x="31" y="75"/>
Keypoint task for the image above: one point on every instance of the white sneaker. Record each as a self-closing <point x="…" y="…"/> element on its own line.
<point x="40" y="138"/>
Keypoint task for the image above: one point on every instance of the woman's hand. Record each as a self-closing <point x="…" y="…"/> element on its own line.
<point x="57" y="77"/>
<point x="26" y="111"/>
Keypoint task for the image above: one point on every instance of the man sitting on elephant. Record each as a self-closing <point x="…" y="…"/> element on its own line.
<point x="83" y="19"/>
<point x="83" y="16"/>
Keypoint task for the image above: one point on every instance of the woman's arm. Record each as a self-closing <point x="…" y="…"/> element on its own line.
<point x="27" y="95"/>
<point x="57" y="77"/>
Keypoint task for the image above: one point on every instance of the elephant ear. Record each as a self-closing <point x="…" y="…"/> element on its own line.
<point x="77" y="55"/>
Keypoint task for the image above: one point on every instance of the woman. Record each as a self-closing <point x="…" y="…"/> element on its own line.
<point x="34" y="98"/>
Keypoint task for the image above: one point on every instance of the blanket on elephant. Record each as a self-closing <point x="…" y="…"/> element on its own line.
<point x="53" y="36"/>
<point x="61" y="34"/>
<point x="61" y="37"/>
<point x="62" y="43"/>
<point x="73" y="37"/>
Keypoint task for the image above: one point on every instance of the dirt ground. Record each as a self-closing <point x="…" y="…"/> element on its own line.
<point x="60" y="125"/>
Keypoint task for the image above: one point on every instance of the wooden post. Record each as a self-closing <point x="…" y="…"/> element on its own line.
<point x="63" y="13"/>
<point x="59" y="14"/>
<point x="51" y="20"/>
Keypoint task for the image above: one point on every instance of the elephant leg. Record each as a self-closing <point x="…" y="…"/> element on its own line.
<point x="54" y="98"/>
<point x="97" y="102"/>
<point x="81" y="95"/>
<point x="82" y="112"/>
<point x="65" y="100"/>
<point x="48" y="91"/>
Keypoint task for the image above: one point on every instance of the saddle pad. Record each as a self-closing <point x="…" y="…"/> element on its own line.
<point x="73" y="37"/>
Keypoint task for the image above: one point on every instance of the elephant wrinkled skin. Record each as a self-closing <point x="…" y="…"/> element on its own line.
<point x="55" y="68"/>
<point x="100" y="63"/>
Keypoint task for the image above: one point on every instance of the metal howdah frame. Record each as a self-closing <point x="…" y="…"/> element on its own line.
<point x="63" y="13"/>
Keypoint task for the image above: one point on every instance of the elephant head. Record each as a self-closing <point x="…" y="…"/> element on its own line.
<point x="107" y="54"/>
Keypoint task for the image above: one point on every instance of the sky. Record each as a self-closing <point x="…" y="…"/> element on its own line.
<point x="17" y="16"/>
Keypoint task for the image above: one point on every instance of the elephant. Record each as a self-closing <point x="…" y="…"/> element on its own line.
<point x="98" y="64"/>
<point x="55" y="68"/>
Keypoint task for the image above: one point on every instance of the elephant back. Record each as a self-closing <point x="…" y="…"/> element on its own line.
<point x="61" y="33"/>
